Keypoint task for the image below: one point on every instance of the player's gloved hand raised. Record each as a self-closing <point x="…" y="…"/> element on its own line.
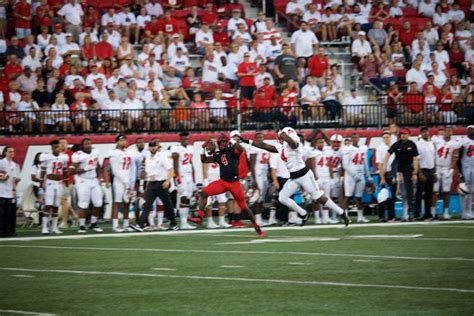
<point x="244" y="140"/>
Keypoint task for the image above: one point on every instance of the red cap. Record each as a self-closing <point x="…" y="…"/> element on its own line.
<point x="58" y="26"/>
<point x="405" y="131"/>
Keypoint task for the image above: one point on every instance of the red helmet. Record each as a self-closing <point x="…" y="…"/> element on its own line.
<point x="223" y="141"/>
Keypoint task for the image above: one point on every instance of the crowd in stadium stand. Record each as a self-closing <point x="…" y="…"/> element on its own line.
<point x="130" y="63"/>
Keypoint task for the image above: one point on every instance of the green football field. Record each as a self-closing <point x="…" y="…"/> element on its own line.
<point x="372" y="269"/>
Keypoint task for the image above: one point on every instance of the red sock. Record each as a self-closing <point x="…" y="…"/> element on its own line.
<point x="201" y="214"/>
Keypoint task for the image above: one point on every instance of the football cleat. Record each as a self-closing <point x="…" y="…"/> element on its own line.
<point x="56" y="232"/>
<point x="212" y="225"/>
<point x="224" y="225"/>
<point x="304" y="218"/>
<point x="345" y="219"/>
<point x="363" y="220"/>
<point x="173" y="228"/>
<point x="82" y="230"/>
<point x="45" y="232"/>
<point x="186" y="226"/>
<point x="136" y="228"/>
<point x="117" y="230"/>
<point x="238" y="224"/>
<point x="129" y="229"/>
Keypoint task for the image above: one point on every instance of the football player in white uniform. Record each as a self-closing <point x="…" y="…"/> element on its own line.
<point x="301" y="177"/>
<point x="447" y="154"/>
<point x="85" y="166"/>
<point x="322" y="168"/>
<point x="356" y="169"/>
<point x="122" y="169"/>
<point x="259" y="160"/>
<point x="211" y="173"/>
<point x="139" y="155"/>
<point x="53" y="173"/>
<point x="184" y="176"/>
<point x="467" y="169"/>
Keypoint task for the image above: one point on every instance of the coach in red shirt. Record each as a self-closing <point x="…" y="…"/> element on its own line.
<point x="246" y="72"/>
<point x="104" y="49"/>
<point x="22" y="14"/>
<point x="318" y="66"/>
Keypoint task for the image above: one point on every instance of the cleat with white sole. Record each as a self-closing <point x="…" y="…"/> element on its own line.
<point x="82" y="230"/>
<point x="45" y="232"/>
<point x="56" y="232"/>
<point x="97" y="229"/>
<point x="128" y="229"/>
<point x="117" y="230"/>
<point x="225" y="225"/>
<point x="363" y="220"/>
<point x="186" y="226"/>
<point x="212" y="225"/>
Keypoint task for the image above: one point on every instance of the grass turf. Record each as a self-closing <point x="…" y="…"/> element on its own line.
<point x="428" y="261"/>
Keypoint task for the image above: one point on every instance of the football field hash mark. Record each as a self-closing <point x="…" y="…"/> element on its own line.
<point x="164" y="269"/>
<point x="233" y="267"/>
<point x="22" y="276"/>
<point x="237" y="279"/>
<point x="14" y="311"/>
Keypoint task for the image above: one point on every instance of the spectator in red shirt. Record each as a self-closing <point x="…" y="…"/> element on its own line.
<point x="13" y="68"/>
<point x="22" y="14"/>
<point x="407" y="36"/>
<point x="104" y="49"/>
<point x="221" y="36"/>
<point x="268" y="89"/>
<point x="318" y="66"/>
<point x="209" y="17"/>
<point x="168" y="25"/>
<point x="286" y="108"/>
<point x="153" y="26"/>
<point x="246" y="72"/>
<point x="430" y="82"/>
<point x="414" y="103"/>
<point x="446" y="106"/>
<point x="263" y="106"/>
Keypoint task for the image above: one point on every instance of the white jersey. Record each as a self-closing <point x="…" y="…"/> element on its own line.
<point x="87" y="162"/>
<point x="354" y="158"/>
<point x="36" y="171"/>
<point x="138" y="157"/>
<point x="444" y="152"/>
<point x="322" y="163"/>
<point x="185" y="160"/>
<point x="336" y="158"/>
<point x="261" y="160"/>
<point x="122" y="165"/>
<point x="213" y="172"/>
<point x="293" y="158"/>
<point x="307" y="152"/>
<point x="54" y="164"/>
<point x="380" y="156"/>
<point x="279" y="165"/>
<point x="467" y="157"/>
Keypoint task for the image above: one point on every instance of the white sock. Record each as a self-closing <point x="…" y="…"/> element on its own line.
<point x="44" y="221"/>
<point x="183" y="215"/>
<point x="82" y="222"/>
<point x="325" y="215"/>
<point x="160" y="216"/>
<point x="222" y="220"/>
<point x="317" y="215"/>
<point x="272" y="215"/>
<point x="210" y="220"/>
<point x="333" y="206"/>
<point x="54" y="223"/>
<point x="360" y="214"/>
<point x="258" y="217"/>
<point x="433" y="211"/>
<point x="93" y="219"/>
<point x="446" y="211"/>
<point x="291" y="216"/>
<point x="126" y="223"/>
<point x="151" y="218"/>
<point x="115" y="223"/>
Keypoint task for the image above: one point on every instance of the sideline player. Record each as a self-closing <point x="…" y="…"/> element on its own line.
<point x="447" y="154"/>
<point x="122" y="169"/>
<point x="85" y="167"/>
<point x="228" y="157"/>
<point x="356" y="169"/>
<point x="467" y="169"/>
<point x="184" y="176"/>
<point x="53" y="174"/>
<point x="259" y="166"/>
<point x="300" y="175"/>
<point x="211" y="173"/>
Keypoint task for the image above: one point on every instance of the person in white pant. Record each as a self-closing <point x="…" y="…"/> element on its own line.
<point x="53" y="173"/>
<point x="322" y="168"/>
<point x="85" y="167"/>
<point x="301" y="177"/>
<point x="467" y="169"/>
<point x="447" y="155"/>
<point x="184" y="177"/>
<point x="259" y="166"/>
<point x="354" y="162"/>
<point x="122" y="168"/>
<point x="211" y="173"/>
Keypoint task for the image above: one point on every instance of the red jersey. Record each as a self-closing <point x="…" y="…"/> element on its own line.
<point x="317" y="66"/>
<point x="88" y="51"/>
<point x="23" y="9"/>
<point x="270" y="92"/>
<point x="436" y="91"/>
<point x="232" y="103"/>
<point x="414" y="102"/>
<point x="222" y="38"/>
<point x="104" y="50"/>
<point x="168" y="27"/>
<point x="446" y="105"/>
<point x="246" y="67"/>
<point x="243" y="166"/>
<point x="286" y="103"/>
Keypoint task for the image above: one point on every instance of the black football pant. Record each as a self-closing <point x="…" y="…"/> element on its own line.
<point x="424" y="191"/>
<point x="7" y="217"/>
<point x="155" y="189"/>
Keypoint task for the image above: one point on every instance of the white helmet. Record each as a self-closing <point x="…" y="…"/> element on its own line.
<point x="382" y="196"/>
<point x="463" y="189"/>
<point x="337" y="138"/>
<point x="253" y="196"/>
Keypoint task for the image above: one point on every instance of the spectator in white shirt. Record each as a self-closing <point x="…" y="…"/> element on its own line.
<point x="70" y="47"/>
<point x="360" y="47"/>
<point x="431" y="35"/>
<point x="99" y="93"/>
<point x="94" y="75"/>
<point x="154" y="8"/>
<point x="440" y="18"/>
<point x="210" y="70"/>
<point x="128" y="22"/>
<point x="455" y="14"/>
<point x="439" y="76"/>
<point x="128" y="68"/>
<point x="180" y="62"/>
<point x="31" y="60"/>
<point x="310" y="99"/>
<point x="295" y="10"/>
<point x="72" y="13"/>
<point x="262" y="74"/>
<point x="463" y="34"/>
<point x="110" y="17"/>
<point x="218" y="109"/>
<point x="113" y="110"/>
<point x="441" y="56"/>
<point x="426" y="8"/>
<point x="304" y="41"/>
<point x="204" y="38"/>
<point x="235" y="21"/>
<point x="132" y="110"/>
<point x="353" y="107"/>
<point x="415" y="74"/>
<point x="142" y="19"/>
<point x="242" y="33"/>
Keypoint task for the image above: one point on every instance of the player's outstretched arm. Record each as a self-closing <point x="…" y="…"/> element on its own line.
<point x="284" y="136"/>
<point x="205" y="158"/>
<point x="261" y="145"/>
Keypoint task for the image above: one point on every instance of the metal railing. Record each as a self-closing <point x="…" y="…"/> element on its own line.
<point x="325" y="115"/>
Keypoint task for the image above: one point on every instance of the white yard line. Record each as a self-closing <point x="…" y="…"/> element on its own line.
<point x="299" y="263"/>
<point x="164" y="269"/>
<point x="232" y="267"/>
<point x="12" y="311"/>
<point x="215" y="278"/>
<point x="22" y="276"/>
<point x="365" y="260"/>
<point x="251" y="252"/>
<point x="217" y="231"/>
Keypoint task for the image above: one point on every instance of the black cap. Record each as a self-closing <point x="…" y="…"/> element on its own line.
<point x="152" y="144"/>
<point x="120" y="137"/>
<point x="183" y="134"/>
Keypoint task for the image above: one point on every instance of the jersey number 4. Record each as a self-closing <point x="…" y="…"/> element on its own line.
<point x="358" y="159"/>
<point x="126" y="163"/>
<point x="442" y="152"/>
<point x="224" y="160"/>
<point x="470" y="151"/>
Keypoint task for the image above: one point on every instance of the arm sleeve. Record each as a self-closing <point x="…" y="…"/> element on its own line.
<point x="393" y="148"/>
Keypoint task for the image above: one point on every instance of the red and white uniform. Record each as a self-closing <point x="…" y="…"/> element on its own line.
<point x="322" y="163"/>
<point x="443" y="161"/>
<point x="87" y="184"/>
<point x="261" y="170"/>
<point x="123" y="170"/>
<point x="213" y="174"/>
<point x="184" y="178"/>
<point x="336" y="163"/>
<point x="53" y="188"/>
<point x="354" y="163"/>
<point x="467" y="162"/>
